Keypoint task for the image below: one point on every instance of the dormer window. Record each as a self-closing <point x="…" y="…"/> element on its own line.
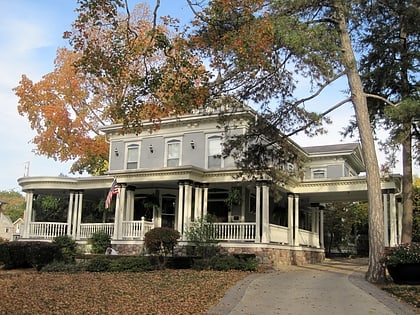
<point x="133" y="156"/>
<point x="319" y="173"/>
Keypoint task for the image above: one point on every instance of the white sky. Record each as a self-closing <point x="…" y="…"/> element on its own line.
<point x="30" y="33"/>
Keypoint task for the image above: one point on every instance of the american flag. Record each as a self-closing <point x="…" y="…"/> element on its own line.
<point x="112" y="191"/>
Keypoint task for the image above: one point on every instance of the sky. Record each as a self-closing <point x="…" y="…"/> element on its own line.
<point x="30" y="33"/>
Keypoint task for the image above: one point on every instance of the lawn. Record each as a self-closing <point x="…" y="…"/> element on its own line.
<point x="407" y="293"/>
<point x="158" y="292"/>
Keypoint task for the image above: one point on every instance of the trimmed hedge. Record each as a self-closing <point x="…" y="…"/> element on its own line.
<point x="27" y="254"/>
<point x="244" y="262"/>
<point x="119" y="264"/>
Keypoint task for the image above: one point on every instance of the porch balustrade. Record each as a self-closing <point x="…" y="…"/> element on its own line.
<point x="136" y="229"/>
<point x="308" y="238"/>
<point x="87" y="229"/>
<point x="46" y="230"/>
<point x="279" y="234"/>
<point x="234" y="231"/>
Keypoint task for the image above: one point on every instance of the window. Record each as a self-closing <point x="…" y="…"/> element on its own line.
<point x="173" y="153"/>
<point x="214" y="145"/>
<point x="319" y="173"/>
<point x="133" y="151"/>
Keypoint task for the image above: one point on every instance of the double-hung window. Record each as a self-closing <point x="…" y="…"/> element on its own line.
<point x="214" y="152"/>
<point x="133" y="156"/>
<point x="173" y="149"/>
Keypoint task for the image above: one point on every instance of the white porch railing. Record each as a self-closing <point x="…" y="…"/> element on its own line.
<point x="279" y="234"/>
<point x="87" y="229"/>
<point x="234" y="231"/>
<point x="308" y="238"/>
<point x="136" y="229"/>
<point x="46" y="230"/>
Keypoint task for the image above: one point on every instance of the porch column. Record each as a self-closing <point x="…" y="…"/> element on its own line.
<point x="265" y="213"/>
<point x="118" y="212"/>
<point x="79" y="213"/>
<point x="314" y="222"/>
<point x="70" y="213"/>
<point x="75" y="207"/>
<point x="205" y="199"/>
<point x="198" y="202"/>
<point x="27" y="217"/>
<point x="386" y="225"/>
<point x="180" y="207"/>
<point x="290" y="227"/>
<point x="392" y="220"/>
<point x="400" y="216"/>
<point x="187" y="204"/>
<point x="296" y="217"/>
<point x="321" y="228"/>
<point x="129" y="204"/>
<point x="257" y="214"/>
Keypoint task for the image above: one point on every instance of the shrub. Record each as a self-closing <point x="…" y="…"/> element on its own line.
<point x="27" y="254"/>
<point x="100" y="241"/>
<point x="201" y="234"/>
<point x="403" y="254"/>
<point x="161" y="240"/>
<point x="67" y="249"/>
<point x="131" y="264"/>
<point x="225" y="263"/>
<point x="179" y="262"/>
<point x="60" y="266"/>
<point x="119" y="264"/>
<point x="99" y="264"/>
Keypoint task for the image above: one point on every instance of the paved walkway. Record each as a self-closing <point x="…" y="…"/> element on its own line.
<point x="334" y="287"/>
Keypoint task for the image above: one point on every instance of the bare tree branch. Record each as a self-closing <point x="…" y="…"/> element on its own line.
<point x="382" y="99"/>
<point x="322" y="114"/>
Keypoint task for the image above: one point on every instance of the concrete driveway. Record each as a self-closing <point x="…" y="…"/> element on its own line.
<point x="334" y="287"/>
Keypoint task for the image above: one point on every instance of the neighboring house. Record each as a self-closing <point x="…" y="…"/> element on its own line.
<point x="6" y="225"/>
<point x="180" y="170"/>
<point x="17" y="228"/>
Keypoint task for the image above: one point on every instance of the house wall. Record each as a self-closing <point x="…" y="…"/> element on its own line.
<point x="335" y="168"/>
<point x="157" y="140"/>
<point x="335" y="171"/>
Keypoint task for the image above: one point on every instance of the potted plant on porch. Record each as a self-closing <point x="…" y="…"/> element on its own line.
<point x="403" y="263"/>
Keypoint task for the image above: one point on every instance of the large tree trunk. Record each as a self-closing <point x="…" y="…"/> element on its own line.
<point x="407" y="189"/>
<point x="376" y="272"/>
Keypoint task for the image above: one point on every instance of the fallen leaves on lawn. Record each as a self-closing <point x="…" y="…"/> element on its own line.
<point x="158" y="292"/>
<point x="407" y="293"/>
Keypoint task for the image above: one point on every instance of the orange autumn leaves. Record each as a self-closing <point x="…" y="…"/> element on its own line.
<point x="126" y="72"/>
<point x="63" y="114"/>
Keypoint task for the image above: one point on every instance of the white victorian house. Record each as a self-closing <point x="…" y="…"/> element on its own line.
<point x="179" y="170"/>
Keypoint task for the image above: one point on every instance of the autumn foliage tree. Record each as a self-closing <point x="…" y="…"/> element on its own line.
<point x="122" y="67"/>
<point x="65" y="117"/>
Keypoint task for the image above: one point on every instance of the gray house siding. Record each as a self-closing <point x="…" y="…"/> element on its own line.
<point x="149" y="159"/>
<point x="196" y="156"/>
<point x="335" y="171"/>
<point x="117" y="155"/>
